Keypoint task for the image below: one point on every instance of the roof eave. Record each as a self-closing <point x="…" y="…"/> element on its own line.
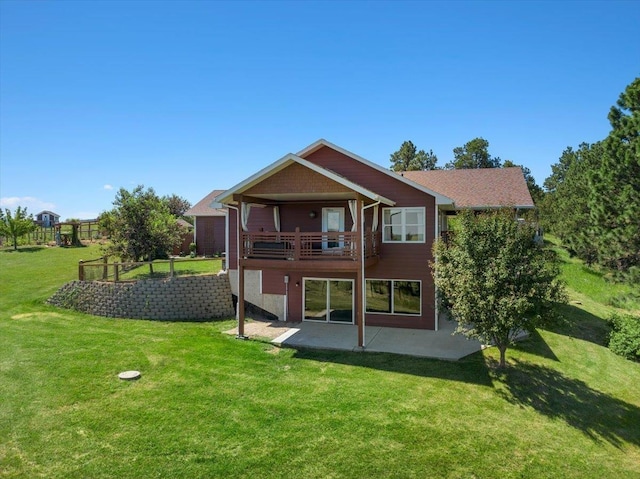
<point x="227" y="196"/>
<point x="440" y="199"/>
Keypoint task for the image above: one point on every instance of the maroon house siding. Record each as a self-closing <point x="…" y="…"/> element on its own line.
<point x="403" y="261"/>
<point x="210" y="236"/>
<point x="398" y="261"/>
<point x="273" y="283"/>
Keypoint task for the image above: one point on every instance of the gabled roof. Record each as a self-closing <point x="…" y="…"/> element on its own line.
<point x="441" y="199"/>
<point x="184" y="224"/>
<point x="207" y="206"/>
<point x="477" y="188"/>
<point x="48" y="212"/>
<point x="287" y="160"/>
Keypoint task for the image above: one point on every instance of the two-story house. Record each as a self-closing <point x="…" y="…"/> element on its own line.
<point x="327" y="236"/>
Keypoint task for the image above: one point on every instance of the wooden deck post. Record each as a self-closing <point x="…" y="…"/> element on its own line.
<point x="240" y="275"/>
<point x="241" y="302"/>
<point x="360" y="274"/>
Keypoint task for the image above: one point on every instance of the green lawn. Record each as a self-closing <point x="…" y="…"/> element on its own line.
<point x="181" y="266"/>
<point x="208" y="405"/>
<point x="592" y="287"/>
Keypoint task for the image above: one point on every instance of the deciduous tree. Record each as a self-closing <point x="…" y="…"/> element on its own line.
<point x="177" y="205"/>
<point x="496" y="280"/>
<point x="16" y="225"/>
<point x="141" y="227"/>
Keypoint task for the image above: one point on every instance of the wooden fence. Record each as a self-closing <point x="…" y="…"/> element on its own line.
<point x="61" y="233"/>
<point x="100" y="269"/>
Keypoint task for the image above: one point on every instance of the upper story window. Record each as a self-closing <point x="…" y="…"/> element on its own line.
<point x="403" y="225"/>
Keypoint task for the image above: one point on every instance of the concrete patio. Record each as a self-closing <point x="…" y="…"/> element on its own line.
<point x="439" y="344"/>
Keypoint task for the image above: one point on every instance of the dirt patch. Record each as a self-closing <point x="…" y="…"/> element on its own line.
<point x="28" y="316"/>
<point x="263" y="329"/>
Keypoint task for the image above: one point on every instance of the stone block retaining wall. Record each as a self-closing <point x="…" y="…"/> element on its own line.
<point x="179" y="298"/>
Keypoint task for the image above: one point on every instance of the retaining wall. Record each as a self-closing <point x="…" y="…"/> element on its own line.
<point x="179" y="298"/>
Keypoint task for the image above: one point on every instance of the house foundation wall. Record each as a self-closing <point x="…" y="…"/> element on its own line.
<point x="182" y="298"/>
<point x="273" y="303"/>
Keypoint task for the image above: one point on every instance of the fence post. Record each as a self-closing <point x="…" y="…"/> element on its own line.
<point x="115" y="272"/>
<point x="81" y="270"/>
<point x="171" y="267"/>
<point x="105" y="269"/>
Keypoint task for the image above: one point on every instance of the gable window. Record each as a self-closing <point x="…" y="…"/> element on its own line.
<point x="393" y="296"/>
<point x="403" y="225"/>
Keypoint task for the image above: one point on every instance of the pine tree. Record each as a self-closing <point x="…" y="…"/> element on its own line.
<point x="614" y="199"/>
<point x="407" y="158"/>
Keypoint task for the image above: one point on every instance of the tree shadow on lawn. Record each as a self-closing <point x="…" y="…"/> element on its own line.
<point x="580" y="324"/>
<point x="23" y="249"/>
<point x="535" y="344"/>
<point x="471" y="369"/>
<point x="598" y="415"/>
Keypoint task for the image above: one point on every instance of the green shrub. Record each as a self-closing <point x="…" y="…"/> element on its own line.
<point x="624" y="338"/>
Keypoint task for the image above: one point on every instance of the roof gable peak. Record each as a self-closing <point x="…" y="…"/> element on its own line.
<point x="315" y="146"/>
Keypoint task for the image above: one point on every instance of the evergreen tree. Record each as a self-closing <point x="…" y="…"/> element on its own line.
<point x="565" y="211"/>
<point x="474" y="154"/>
<point x="407" y="158"/>
<point x="614" y="198"/>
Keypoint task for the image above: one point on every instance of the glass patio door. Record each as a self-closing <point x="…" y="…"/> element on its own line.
<point x="333" y="222"/>
<point x="328" y="300"/>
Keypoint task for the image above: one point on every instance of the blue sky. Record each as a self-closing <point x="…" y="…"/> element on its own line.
<point x="187" y="97"/>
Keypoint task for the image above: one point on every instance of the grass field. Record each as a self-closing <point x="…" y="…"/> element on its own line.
<point x="208" y="405"/>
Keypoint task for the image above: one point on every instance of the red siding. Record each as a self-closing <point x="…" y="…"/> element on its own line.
<point x="273" y="283"/>
<point x="187" y="238"/>
<point x="397" y="261"/>
<point x="210" y="235"/>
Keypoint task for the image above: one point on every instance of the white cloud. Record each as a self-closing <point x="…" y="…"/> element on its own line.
<point x="107" y="187"/>
<point x="33" y="205"/>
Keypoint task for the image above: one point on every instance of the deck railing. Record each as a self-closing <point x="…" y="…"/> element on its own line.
<point x="301" y="246"/>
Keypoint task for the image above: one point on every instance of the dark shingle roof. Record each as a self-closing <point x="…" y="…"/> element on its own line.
<point x="477" y="188"/>
<point x="204" y="206"/>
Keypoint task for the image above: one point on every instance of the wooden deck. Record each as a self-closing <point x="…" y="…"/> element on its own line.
<point x="305" y="250"/>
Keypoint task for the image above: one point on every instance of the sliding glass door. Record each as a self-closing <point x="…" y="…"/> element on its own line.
<point x="328" y="300"/>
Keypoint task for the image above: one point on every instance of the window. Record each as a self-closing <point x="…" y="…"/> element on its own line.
<point x="403" y="225"/>
<point x="393" y="296"/>
<point x="329" y="300"/>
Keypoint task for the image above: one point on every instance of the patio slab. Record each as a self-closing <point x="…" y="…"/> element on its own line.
<point x="439" y="344"/>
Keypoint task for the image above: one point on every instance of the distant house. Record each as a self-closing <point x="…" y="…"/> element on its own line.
<point x="47" y="219"/>
<point x="327" y="236"/>
<point x="209" y="232"/>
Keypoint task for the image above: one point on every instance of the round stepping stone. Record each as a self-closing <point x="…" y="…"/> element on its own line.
<point x="129" y="375"/>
